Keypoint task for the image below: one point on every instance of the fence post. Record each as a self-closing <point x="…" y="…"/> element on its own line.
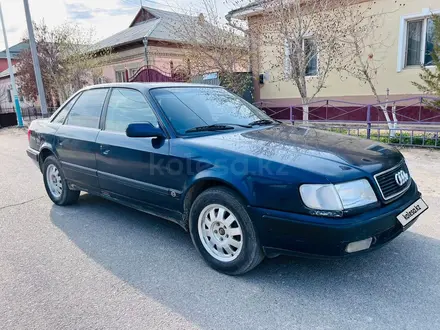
<point x="369" y="121"/>
<point x="326" y="110"/>
<point x="291" y="115"/>
<point x="420" y="108"/>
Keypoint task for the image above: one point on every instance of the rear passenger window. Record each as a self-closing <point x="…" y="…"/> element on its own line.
<point x="59" y="119"/>
<point x="87" y="110"/>
<point x="127" y="106"/>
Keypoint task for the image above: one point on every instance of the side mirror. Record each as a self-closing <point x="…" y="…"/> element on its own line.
<point x="143" y="130"/>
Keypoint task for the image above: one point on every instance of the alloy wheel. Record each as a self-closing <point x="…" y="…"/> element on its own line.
<point x="54" y="182"/>
<point x="220" y="232"/>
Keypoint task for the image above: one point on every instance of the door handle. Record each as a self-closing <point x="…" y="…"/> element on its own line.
<point x="104" y="151"/>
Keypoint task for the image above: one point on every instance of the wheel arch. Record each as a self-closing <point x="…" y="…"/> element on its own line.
<point x="199" y="186"/>
<point x="45" y="151"/>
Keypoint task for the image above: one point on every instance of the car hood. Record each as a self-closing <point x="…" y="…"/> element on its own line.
<point x="334" y="155"/>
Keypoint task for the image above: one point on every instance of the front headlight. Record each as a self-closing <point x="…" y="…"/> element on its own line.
<point x="337" y="197"/>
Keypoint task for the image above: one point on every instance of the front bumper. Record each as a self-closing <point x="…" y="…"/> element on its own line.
<point x="299" y="234"/>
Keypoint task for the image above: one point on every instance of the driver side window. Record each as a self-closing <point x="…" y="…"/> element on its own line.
<point x="127" y="106"/>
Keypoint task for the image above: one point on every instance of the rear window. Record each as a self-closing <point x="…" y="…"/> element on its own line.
<point x="62" y="114"/>
<point x="87" y="110"/>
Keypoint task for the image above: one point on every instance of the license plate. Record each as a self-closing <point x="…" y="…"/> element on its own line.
<point x="412" y="212"/>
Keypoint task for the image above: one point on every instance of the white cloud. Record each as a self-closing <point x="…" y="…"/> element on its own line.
<point x="52" y="11"/>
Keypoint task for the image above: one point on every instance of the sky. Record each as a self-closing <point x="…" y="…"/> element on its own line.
<point x="106" y="17"/>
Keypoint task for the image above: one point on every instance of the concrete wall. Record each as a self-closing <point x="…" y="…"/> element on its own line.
<point x="390" y="75"/>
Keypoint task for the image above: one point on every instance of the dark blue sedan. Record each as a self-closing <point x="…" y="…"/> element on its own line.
<point x="244" y="185"/>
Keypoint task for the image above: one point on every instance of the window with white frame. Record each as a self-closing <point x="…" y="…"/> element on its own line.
<point x="120" y="76"/>
<point x="132" y="72"/>
<point x="311" y="52"/>
<point x="419" y="41"/>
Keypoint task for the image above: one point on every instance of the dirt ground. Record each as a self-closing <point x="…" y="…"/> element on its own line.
<point x="424" y="165"/>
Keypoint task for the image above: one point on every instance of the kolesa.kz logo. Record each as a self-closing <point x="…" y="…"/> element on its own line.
<point x="411" y="212"/>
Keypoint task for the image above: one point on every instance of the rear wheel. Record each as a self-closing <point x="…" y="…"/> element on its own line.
<point x="55" y="183"/>
<point x="223" y="233"/>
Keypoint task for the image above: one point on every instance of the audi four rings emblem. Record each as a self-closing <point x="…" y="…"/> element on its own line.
<point x="401" y="177"/>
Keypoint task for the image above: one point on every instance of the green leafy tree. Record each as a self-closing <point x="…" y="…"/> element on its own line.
<point x="429" y="76"/>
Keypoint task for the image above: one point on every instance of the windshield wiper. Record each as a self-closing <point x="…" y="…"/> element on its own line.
<point x="263" y="122"/>
<point x="232" y="124"/>
<point x="215" y="127"/>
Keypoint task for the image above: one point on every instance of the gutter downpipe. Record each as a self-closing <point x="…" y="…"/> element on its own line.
<point x="145" y="41"/>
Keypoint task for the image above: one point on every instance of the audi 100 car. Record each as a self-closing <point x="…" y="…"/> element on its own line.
<point x="245" y="186"/>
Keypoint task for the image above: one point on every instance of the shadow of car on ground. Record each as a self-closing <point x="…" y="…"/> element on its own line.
<point x="387" y="287"/>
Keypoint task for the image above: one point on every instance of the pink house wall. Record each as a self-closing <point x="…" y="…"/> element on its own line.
<point x="134" y="58"/>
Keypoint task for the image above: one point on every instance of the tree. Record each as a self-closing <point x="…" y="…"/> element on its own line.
<point x="431" y="77"/>
<point x="67" y="59"/>
<point x="302" y="40"/>
<point x="212" y="46"/>
<point x="366" y="46"/>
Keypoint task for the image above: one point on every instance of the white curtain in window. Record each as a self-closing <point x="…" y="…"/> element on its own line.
<point x="414" y="42"/>
<point x="311" y="56"/>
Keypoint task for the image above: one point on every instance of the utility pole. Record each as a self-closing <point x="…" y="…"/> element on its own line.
<point x="11" y="74"/>
<point x="39" y="80"/>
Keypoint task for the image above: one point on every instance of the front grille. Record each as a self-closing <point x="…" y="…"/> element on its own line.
<point x="388" y="186"/>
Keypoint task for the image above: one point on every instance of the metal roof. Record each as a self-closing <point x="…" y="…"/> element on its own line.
<point x="16" y="49"/>
<point x="247" y="10"/>
<point x="164" y="27"/>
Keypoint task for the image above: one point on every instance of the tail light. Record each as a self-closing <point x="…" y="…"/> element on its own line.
<point x="29" y="135"/>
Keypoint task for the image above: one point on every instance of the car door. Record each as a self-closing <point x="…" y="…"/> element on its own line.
<point x="132" y="169"/>
<point x="76" y="139"/>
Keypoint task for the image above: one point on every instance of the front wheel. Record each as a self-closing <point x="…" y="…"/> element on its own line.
<point x="223" y="233"/>
<point x="55" y="183"/>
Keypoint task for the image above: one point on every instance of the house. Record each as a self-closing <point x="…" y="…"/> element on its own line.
<point x="151" y="39"/>
<point x="14" y="51"/>
<point x="409" y="40"/>
<point x="6" y="99"/>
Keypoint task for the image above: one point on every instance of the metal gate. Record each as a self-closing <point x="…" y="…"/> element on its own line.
<point x="152" y="74"/>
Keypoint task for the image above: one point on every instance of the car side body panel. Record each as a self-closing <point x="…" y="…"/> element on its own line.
<point x="135" y="168"/>
<point x="76" y="148"/>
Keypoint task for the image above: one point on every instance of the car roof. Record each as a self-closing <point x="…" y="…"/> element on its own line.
<point x="147" y="86"/>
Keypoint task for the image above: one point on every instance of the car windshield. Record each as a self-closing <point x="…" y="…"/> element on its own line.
<point x="188" y="108"/>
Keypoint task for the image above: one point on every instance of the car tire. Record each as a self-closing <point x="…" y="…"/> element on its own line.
<point x="223" y="232"/>
<point x="56" y="184"/>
